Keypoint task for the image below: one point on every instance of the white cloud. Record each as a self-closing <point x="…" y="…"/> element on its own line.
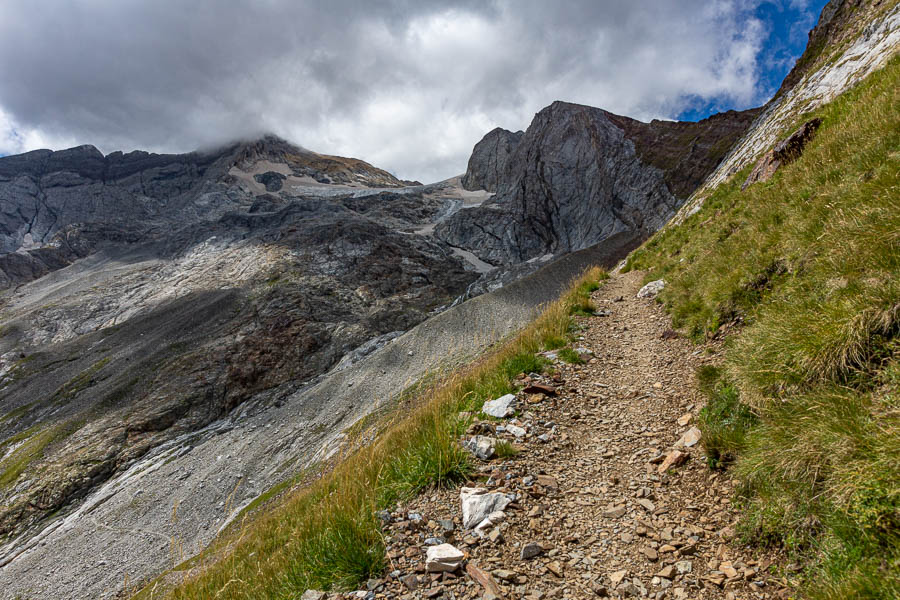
<point x="407" y="86"/>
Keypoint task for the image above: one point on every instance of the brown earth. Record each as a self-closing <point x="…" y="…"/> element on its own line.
<point x="591" y="495"/>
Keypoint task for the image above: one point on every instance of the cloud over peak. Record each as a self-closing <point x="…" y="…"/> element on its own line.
<point x="408" y="86"/>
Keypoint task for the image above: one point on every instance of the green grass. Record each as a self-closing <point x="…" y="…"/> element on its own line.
<point x="725" y="420"/>
<point x="804" y="272"/>
<point x="36" y="440"/>
<point x="505" y="449"/>
<point x="326" y="535"/>
<point x="582" y="305"/>
<point x="568" y="355"/>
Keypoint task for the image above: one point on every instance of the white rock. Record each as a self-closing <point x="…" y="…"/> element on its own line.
<point x="313" y="595"/>
<point x="481" y="446"/>
<point x="495" y="518"/>
<point x="690" y="438"/>
<point x="502" y="407"/>
<point x="443" y="557"/>
<point x="651" y="289"/>
<point x="515" y="430"/>
<point x="477" y="505"/>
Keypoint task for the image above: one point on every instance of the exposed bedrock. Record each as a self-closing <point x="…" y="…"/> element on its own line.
<point x="581" y="174"/>
<point x="489" y="159"/>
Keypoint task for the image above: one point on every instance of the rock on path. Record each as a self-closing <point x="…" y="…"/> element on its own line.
<point x="611" y="493"/>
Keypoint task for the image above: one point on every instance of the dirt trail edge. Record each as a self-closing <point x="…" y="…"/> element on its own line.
<point x="596" y="507"/>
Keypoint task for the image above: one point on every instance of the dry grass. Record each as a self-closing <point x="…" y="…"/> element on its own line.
<point x="327" y="536"/>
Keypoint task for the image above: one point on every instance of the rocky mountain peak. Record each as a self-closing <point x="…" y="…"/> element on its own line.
<point x="489" y="159"/>
<point x="580" y="175"/>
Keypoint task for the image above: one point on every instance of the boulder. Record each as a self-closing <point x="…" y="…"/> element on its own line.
<point x="785" y="152"/>
<point x="690" y="438"/>
<point x="271" y="179"/>
<point x="481" y="446"/>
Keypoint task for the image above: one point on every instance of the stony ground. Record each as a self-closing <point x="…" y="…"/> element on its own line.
<point x="596" y="509"/>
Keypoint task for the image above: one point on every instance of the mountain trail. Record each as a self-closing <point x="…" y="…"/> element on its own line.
<point x="596" y="510"/>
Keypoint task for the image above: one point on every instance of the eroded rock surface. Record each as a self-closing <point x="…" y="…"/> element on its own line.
<point x="581" y="175"/>
<point x="489" y="159"/>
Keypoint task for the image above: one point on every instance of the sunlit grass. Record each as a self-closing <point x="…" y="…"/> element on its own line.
<point x="806" y="268"/>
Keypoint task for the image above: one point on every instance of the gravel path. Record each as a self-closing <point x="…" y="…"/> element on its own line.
<point x="593" y="503"/>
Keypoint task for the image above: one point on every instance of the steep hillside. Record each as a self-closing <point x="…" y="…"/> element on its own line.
<point x="854" y="39"/>
<point x="580" y="175"/>
<point x="801" y="276"/>
<point x="149" y="297"/>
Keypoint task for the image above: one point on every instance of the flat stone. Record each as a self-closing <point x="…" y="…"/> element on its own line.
<point x="502" y="407"/>
<point x="667" y="572"/>
<point x="690" y="438"/>
<point x="674" y="459"/>
<point x="540" y="388"/>
<point x="684" y="566"/>
<point x="531" y="550"/>
<point x="313" y="595"/>
<point x="491" y="589"/>
<point x="617" y="577"/>
<point x="495" y="518"/>
<point x="555" y="568"/>
<point x="515" y="430"/>
<point x="411" y="581"/>
<point x="684" y="419"/>
<point x="648" y="506"/>
<point x="444" y="557"/>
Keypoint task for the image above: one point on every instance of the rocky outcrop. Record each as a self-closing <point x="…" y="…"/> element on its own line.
<point x="489" y="160"/>
<point x="580" y="175"/>
<point x="57" y="207"/>
<point x="852" y="40"/>
<point x="785" y="152"/>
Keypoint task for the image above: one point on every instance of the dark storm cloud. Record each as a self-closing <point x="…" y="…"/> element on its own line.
<point x="409" y="86"/>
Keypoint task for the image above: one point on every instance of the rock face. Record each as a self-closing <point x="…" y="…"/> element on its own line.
<point x="57" y="207"/>
<point x="785" y="152"/>
<point x="489" y="159"/>
<point x="580" y="175"/>
<point x="852" y="39"/>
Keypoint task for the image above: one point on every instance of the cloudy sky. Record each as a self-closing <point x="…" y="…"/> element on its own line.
<point x="408" y="85"/>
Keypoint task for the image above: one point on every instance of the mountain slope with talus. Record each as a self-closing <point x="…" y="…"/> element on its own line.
<point x="181" y="334"/>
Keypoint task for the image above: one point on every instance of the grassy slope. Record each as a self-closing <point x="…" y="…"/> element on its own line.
<point x="805" y="269"/>
<point x="327" y="535"/>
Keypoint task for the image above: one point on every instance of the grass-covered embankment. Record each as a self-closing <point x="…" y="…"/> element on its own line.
<point x="327" y="535"/>
<point x="805" y="269"/>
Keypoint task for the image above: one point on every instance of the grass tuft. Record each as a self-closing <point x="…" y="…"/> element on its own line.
<point x="570" y="356"/>
<point x="505" y="449"/>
